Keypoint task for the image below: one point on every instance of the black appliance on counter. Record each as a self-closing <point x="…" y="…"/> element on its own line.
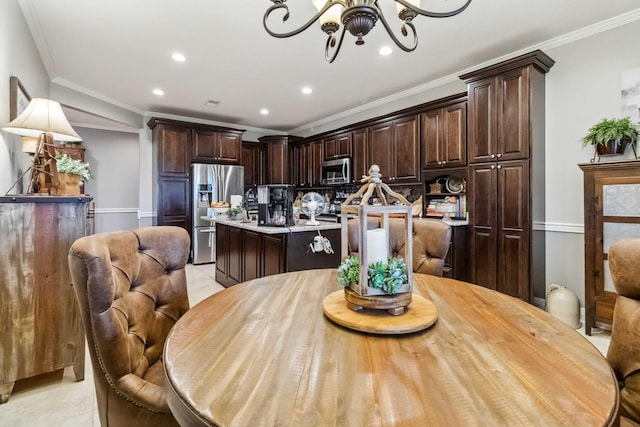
<point x="275" y="205"/>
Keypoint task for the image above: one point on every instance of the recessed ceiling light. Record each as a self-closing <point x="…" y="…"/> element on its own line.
<point x="264" y="111"/>
<point x="178" y="57"/>
<point x="158" y="92"/>
<point x="385" y="50"/>
<point x="307" y="90"/>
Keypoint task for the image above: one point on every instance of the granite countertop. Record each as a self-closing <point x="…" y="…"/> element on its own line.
<point x="454" y="223"/>
<point x="253" y="226"/>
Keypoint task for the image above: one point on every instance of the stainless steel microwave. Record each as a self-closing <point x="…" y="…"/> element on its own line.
<point x="336" y="172"/>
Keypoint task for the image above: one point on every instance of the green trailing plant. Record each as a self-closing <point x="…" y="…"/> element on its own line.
<point x="610" y="129"/>
<point x="388" y="277"/>
<point x="67" y="164"/>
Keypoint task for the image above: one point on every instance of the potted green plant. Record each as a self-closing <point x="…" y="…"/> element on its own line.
<point x="611" y="136"/>
<point x="70" y="172"/>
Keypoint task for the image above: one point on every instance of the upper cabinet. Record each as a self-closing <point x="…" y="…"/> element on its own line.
<point x="278" y="162"/>
<point x="177" y="145"/>
<point x="337" y="146"/>
<point x="394" y="146"/>
<point x="500" y="114"/>
<point x="360" y="164"/>
<point x="253" y="159"/>
<point x="217" y="146"/>
<point x="443" y="137"/>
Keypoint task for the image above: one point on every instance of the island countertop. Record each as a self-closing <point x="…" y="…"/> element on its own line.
<point x="253" y="226"/>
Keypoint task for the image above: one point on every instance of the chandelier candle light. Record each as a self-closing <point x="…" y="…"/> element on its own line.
<point x="358" y="17"/>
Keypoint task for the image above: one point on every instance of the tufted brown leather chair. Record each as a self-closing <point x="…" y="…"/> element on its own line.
<point x="624" y="348"/>
<point x="131" y="289"/>
<point x="431" y="239"/>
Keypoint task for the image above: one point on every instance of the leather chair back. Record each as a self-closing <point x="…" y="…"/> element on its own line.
<point x="131" y="289"/>
<point x="624" y="348"/>
<point x="431" y="240"/>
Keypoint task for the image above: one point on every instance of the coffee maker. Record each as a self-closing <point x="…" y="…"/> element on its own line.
<point x="275" y="205"/>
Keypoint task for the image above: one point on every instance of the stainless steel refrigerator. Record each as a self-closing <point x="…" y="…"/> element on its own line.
<point x="211" y="183"/>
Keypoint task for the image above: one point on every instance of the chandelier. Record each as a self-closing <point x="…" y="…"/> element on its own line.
<point x="358" y="17"/>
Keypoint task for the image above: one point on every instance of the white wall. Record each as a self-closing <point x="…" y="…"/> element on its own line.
<point x="583" y="87"/>
<point x="18" y="57"/>
<point x="114" y="160"/>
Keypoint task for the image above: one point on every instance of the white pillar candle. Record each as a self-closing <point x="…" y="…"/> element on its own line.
<point x="377" y="248"/>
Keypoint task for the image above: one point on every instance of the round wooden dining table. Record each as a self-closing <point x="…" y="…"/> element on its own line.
<point x="262" y="353"/>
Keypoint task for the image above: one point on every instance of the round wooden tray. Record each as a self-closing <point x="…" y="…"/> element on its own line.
<point x="419" y="315"/>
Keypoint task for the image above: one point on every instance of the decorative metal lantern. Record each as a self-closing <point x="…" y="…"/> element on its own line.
<point x="373" y="244"/>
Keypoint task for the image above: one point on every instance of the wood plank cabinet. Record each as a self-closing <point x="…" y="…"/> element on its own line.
<point x="243" y="255"/>
<point x="506" y="174"/>
<point x="611" y="213"/>
<point x="302" y="175"/>
<point x="443" y="136"/>
<point x="499" y="202"/>
<point x="217" y="146"/>
<point x="394" y="146"/>
<point x="279" y="164"/>
<point x="360" y="164"/>
<point x="40" y="326"/>
<point x="337" y="146"/>
<point x="177" y="144"/>
<point x="254" y="161"/>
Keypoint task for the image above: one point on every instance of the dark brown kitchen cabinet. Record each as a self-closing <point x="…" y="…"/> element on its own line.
<point x="172" y="143"/>
<point x="611" y="200"/>
<point x="302" y="175"/>
<point x="229" y="255"/>
<point x="393" y="145"/>
<point x="243" y="255"/>
<point x="177" y="144"/>
<point x="253" y="159"/>
<point x="360" y="164"/>
<point x="316" y="156"/>
<point x="443" y="136"/>
<point x="216" y="146"/>
<point x="337" y="146"/>
<point x="278" y="162"/>
<point x="499" y="202"/>
<point x="506" y="190"/>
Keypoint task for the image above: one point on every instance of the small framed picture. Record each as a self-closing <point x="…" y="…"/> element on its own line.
<point x="19" y="98"/>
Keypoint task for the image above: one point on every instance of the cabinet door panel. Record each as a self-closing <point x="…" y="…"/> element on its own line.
<point x="484" y="264"/>
<point x="229" y="147"/>
<point x="330" y="146"/>
<point x="274" y="254"/>
<point x="481" y="120"/>
<point x="316" y="157"/>
<point x="406" y="139"/>
<point x="513" y="265"/>
<point x="360" y="151"/>
<point x="174" y="157"/>
<point x="344" y="145"/>
<point x="381" y="149"/>
<point x="174" y="205"/>
<point x="482" y="196"/>
<point x="454" y="144"/>
<point x="204" y="145"/>
<point x="222" y="253"/>
<point x="251" y="243"/>
<point x="431" y="138"/>
<point x="235" y="254"/>
<point x="513" y="114"/>
<point x="513" y="187"/>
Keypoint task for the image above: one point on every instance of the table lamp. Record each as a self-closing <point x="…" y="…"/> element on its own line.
<point x="45" y="120"/>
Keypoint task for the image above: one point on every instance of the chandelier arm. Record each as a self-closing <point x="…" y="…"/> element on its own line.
<point x="405" y="25"/>
<point x="279" y="4"/>
<point x="331" y="58"/>
<point x="430" y="14"/>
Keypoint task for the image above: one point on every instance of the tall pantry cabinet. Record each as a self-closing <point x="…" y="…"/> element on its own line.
<point x="506" y="174"/>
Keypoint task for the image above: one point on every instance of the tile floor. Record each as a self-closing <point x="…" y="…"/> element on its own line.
<point x="56" y="399"/>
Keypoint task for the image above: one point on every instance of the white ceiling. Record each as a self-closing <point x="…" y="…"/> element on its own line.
<point x="119" y="50"/>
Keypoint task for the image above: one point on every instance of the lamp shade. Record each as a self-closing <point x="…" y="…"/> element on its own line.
<point x="43" y="115"/>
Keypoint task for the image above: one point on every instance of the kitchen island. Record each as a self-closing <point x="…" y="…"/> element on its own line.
<point x="247" y="251"/>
